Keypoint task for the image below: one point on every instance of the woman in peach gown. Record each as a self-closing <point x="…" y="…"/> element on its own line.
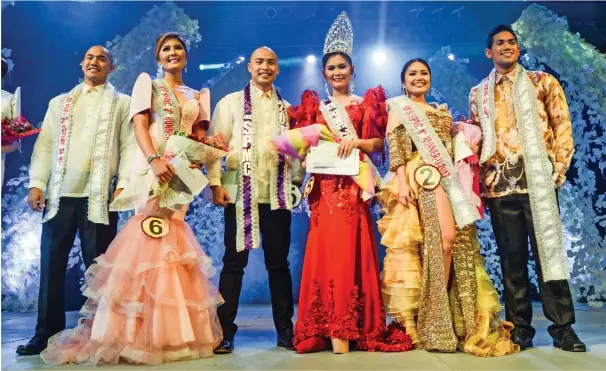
<point x="149" y="296"/>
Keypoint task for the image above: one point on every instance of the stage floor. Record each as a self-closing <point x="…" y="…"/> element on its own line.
<point x="256" y="350"/>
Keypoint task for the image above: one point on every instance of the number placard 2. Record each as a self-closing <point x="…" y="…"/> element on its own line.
<point x="428" y="177"/>
<point x="155" y="227"/>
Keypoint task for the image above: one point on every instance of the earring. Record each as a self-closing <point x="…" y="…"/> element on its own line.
<point x="185" y="68"/>
<point x="351" y="86"/>
<point x="405" y="91"/>
<point x="326" y="89"/>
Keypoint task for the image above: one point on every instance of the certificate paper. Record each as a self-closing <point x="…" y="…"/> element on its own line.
<point x="323" y="159"/>
<point x="193" y="178"/>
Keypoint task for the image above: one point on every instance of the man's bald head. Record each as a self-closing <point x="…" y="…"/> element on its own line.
<point x="263" y="50"/>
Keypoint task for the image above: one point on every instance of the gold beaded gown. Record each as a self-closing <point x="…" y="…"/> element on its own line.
<point x="413" y="283"/>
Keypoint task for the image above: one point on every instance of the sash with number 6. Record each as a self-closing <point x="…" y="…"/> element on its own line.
<point x="434" y="153"/>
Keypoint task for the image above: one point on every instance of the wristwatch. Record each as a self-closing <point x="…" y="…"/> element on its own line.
<point x="152" y="157"/>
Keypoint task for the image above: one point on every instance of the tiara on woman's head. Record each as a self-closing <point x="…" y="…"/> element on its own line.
<point x="340" y="36"/>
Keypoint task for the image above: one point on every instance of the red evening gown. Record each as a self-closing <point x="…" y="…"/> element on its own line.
<point x="340" y="295"/>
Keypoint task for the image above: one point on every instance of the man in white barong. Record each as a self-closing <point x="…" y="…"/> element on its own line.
<point x="257" y="194"/>
<point x="78" y="166"/>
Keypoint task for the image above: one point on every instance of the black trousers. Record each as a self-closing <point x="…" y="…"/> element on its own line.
<point x="58" y="236"/>
<point x="512" y="225"/>
<point x="275" y="241"/>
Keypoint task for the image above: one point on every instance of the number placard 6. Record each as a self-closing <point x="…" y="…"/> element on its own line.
<point x="296" y="196"/>
<point x="155" y="227"/>
<point x="428" y="177"/>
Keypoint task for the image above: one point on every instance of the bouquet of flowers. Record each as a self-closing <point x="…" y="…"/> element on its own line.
<point x="194" y="150"/>
<point x="466" y="141"/>
<point x="182" y="149"/>
<point x="15" y="129"/>
<point x="182" y="143"/>
<point x="296" y="143"/>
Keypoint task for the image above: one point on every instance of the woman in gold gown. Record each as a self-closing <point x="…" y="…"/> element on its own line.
<point x="434" y="281"/>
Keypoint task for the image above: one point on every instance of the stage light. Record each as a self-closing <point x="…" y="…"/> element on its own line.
<point x="451" y="56"/>
<point x="311" y="59"/>
<point x="379" y="56"/>
<point x="213" y="66"/>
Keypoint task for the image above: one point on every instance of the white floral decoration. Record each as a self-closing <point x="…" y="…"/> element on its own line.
<point x="6" y="53"/>
<point x="582" y="71"/>
<point x="7" y="3"/>
<point x="450" y="81"/>
<point x="134" y="53"/>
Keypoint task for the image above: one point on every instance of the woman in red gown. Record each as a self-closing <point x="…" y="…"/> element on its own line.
<point x="340" y="298"/>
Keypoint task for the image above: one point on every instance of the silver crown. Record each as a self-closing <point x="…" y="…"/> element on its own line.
<point x="340" y="36"/>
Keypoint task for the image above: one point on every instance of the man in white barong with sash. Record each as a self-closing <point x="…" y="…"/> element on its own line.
<point x="256" y="192"/>
<point x="527" y="147"/>
<point x="78" y="165"/>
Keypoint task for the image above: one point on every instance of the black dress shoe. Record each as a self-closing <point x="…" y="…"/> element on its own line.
<point x="286" y="340"/>
<point x="226" y="347"/>
<point x="567" y="340"/>
<point x="36" y="345"/>
<point x="522" y="338"/>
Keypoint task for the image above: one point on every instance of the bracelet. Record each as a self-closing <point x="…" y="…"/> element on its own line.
<point x="152" y="157"/>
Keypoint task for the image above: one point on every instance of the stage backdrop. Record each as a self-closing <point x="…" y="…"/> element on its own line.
<point x="548" y="44"/>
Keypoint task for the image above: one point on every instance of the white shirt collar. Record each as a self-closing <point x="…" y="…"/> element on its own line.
<point x="260" y="93"/>
<point x="87" y="88"/>
<point x="511" y="75"/>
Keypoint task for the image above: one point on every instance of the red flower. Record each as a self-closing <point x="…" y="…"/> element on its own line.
<point x="215" y="141"/>
<point x="15" y="129"/>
